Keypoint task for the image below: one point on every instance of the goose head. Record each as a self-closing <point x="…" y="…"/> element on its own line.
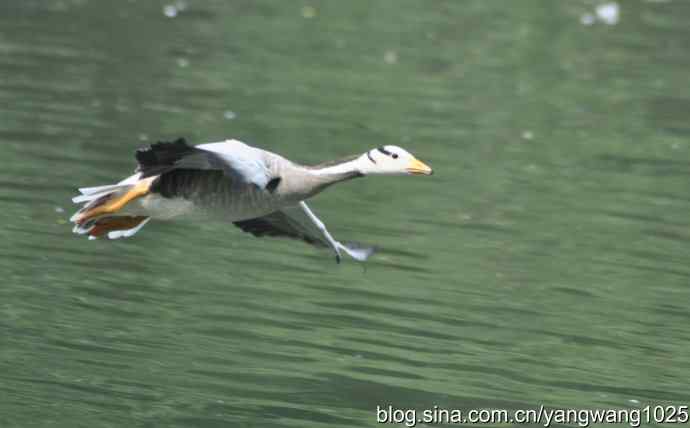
<point x="391" y="160"/>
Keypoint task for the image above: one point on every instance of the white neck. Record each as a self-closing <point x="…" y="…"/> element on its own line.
<point x="354" y="166"/>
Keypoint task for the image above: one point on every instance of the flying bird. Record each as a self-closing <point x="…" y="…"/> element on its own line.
<point x="261" y="192"/>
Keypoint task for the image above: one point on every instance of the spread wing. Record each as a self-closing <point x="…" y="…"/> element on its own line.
<point x="242" y="163"/>
<point x="299" y="222"/>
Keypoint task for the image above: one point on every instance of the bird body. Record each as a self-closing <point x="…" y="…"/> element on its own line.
<point x="259" y="191"/>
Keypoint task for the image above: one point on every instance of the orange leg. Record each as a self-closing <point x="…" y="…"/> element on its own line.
<point x="114" y="205"/>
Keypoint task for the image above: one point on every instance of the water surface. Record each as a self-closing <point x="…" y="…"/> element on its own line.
<point x="546" y="261"/>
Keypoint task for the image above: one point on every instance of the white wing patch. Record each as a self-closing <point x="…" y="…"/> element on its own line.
<point x="92" y="193"/>
<point x="238" y="160"/>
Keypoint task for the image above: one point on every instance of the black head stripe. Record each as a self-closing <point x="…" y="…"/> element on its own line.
<point x="384" y="151"/>
<point x="370" y="158"/>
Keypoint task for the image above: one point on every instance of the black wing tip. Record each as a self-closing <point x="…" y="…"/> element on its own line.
<point x="177" y="145"/>
<point x="160" y="155"/>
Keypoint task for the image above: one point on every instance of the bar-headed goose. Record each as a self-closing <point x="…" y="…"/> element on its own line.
<point x="259" y="191"/>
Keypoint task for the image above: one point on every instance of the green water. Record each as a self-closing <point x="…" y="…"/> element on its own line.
<point x="546" y="261"/>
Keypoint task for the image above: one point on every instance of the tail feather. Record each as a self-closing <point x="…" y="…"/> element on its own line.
<point x="78" y="216"/>
<point x="84" y="228"/>
<point x="102" y="213"/>
<point x="91" y="193"/>
<point x="93" y="196"/>
<point x="99" y="189"/>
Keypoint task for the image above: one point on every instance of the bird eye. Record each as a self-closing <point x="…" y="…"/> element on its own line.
<point x="395" y="155"/>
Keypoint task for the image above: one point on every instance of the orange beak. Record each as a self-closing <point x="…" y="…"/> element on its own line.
<point x="418" y="167"/>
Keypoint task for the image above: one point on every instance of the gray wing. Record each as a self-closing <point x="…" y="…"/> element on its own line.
<point x="299" y="222"/>
<point x="242" y="163"/>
